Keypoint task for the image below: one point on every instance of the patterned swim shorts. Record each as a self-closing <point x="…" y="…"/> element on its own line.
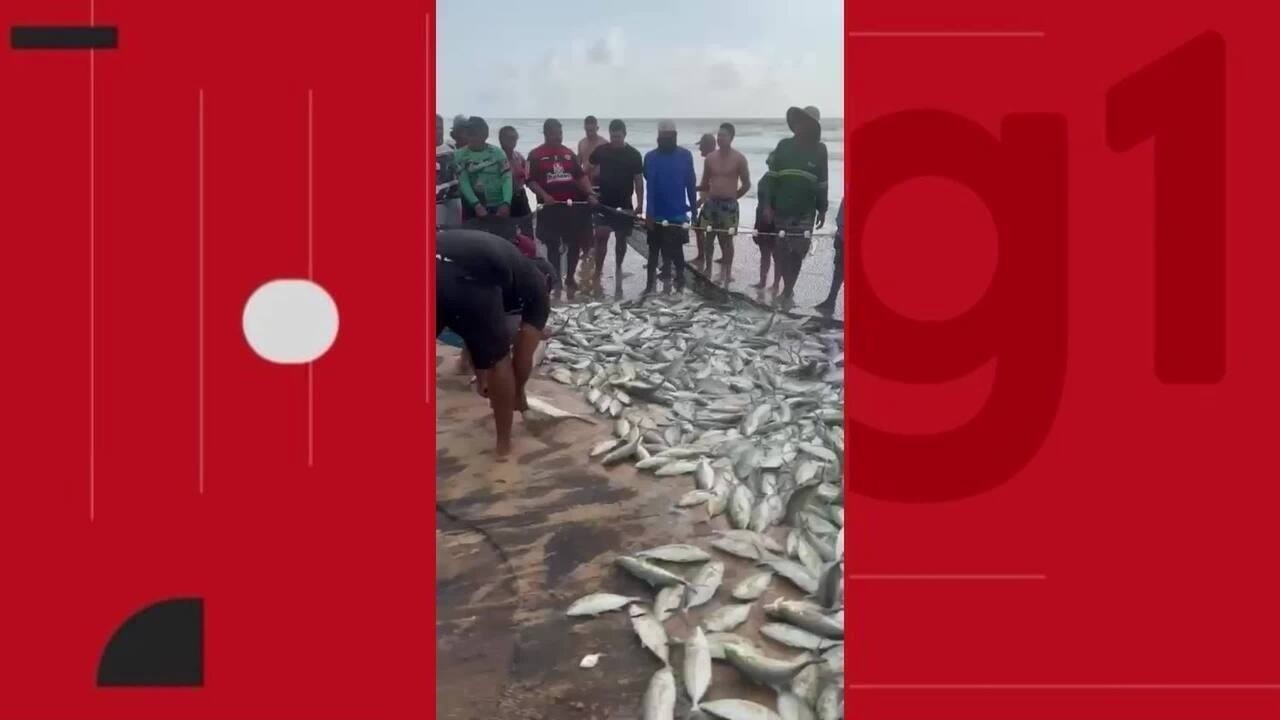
<point x="718" y="214"/>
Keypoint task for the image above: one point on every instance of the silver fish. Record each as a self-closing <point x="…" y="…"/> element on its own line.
<point x="622" y="427"/>
<point x="667" y="601"/>
<point x="835" y="660"/>
<point x="766" y="670"/>
<point x="830" y="585"/>
<point x="792" y="707"/>
<point x="798" y="574"/>
<point x="753" y="586"/>
<point x="796" y="637"/>
<point x="816" y="523"/>
<point x="537" y="404"/>
<point x="704" y="584"/>
<point x="740" y="548"/>
<point x="626" y="450"/>
<point x="697" y="667"/>
<point x="704" y="475"/>
<point x="651" y="633"/>
<point x="606" y="445"/>
<point x="829" y="703"/>
<point x="660" y="696"/>
<point x="656" y="461"/>
<point x="679" y="467"/>
<point x="677" y="553"/>
<point x="819" y="452"/>
<point x="734" y="709"/>
<point x="808" y="683"/>
<point x="650" y="573"/>
<point x="727" y="618"/>
<point x="597" y="603"/>
<point x="809" y="557"/>
<point x="741" y="502"/>
<point x="804" y="616"/>
<point x="759" y="540"/>
<point x="693" y="498"/>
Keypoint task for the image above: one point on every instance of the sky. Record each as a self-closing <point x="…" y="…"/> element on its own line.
<point x="638" y="58"/>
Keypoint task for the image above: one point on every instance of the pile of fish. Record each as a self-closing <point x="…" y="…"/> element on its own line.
<point x="749" y="407"/>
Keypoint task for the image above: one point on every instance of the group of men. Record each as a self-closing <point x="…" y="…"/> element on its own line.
<point x="493" y="292"/>
<point x="583" y="197"/>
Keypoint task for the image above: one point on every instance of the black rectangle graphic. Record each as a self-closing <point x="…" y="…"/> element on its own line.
<point x="63" y="38"/>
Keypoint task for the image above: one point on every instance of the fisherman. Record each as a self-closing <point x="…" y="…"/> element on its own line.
<point x="557" y="179"/>
<point x="706" y="146"/>
<point x="766" y="237"/>
<point x="458" y="132"/>
<point x="621" y="175"/>
<point x="725" y="179"/>
<point x="673" y="195"/>
<point x="588" y="145"/>
<point x="796" y="194"/>
<point x="485" y="178"/>
<point x="448" y="197"/>
<point x="521" y="213"/>
<point x="480" y="277"/>
<point x="828" y="306"/>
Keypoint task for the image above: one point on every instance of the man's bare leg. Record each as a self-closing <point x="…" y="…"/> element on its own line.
<point x="726" y="256"/>
<point x="499" y="385"/>
<point x="766" y="254"/>
<point x="601" y="253"/>
<point x="526" y="342"/>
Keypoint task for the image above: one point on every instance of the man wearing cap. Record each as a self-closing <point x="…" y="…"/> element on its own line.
<point x="673" y="194"/>
<point x="706" y="146"/>
<point x="480" y="280"/>
<point x="794" y="199"/>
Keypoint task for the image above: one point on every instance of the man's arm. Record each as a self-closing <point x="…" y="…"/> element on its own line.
<point x="464" y="184"/>
<point x="584" y="182"/>
<point x="691" y="183"/>
<point x="508" y="184"/>
<point x="744" y="176"/>
<point x="639" y="183"/>
<point x="823" y="198"/>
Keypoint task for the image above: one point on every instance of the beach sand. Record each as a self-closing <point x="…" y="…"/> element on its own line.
<point x="519" y="540"/>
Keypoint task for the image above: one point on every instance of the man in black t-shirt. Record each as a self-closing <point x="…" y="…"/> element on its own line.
<point x="621" y="175"/>
<point x="480" y="278"/>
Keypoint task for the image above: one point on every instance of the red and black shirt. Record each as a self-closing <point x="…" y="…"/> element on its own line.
<point x="555" y="168"/>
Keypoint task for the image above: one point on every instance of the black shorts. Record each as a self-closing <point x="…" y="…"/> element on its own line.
<point x="474" y="311"/>
<point x="520" y="204"/>
<point x="616" y="221"/>
<point x="564" y="223"/>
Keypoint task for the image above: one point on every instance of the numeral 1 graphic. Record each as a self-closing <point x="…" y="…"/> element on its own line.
<point x="1180" y="102"/>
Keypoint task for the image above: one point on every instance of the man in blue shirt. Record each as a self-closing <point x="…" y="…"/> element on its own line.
<point x="673" y="194"/>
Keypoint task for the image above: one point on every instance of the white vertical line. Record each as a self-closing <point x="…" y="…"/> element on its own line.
<point x="311" y="367"/>
<point x="200" y="290"/>
<point x="92" y="284"/>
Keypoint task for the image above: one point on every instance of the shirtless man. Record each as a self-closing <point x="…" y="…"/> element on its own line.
<point x="588" y="145"/>
<point x="725" y="179"/>
<point x="706" y="146"/>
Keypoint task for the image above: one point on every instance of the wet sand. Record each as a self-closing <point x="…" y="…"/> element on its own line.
<point x="519" y="540"/>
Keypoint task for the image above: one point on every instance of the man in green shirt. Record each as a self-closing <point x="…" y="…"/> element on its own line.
<point x="794" y="195"/>
<point x="484" y="177"/>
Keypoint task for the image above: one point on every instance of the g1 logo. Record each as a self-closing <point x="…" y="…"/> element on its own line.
<point x="1179" y="101"/>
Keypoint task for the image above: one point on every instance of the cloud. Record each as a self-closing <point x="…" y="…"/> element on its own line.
<point x="598" y="74"/>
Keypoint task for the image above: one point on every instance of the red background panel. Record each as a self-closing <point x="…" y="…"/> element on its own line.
<point x="1146" y="519"/>
<point x="310" y="543"/>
